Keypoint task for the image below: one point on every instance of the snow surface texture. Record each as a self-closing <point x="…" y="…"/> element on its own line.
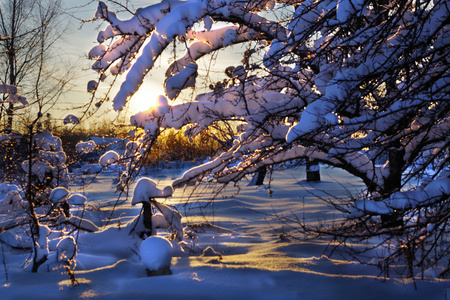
<point x="58" y="195"/>
<point x="10" y="193"/>
<point x="249" y="260"/>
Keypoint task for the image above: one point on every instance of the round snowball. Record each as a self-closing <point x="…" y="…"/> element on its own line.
<point x="156" y="253"/>
<point x="66" y="248"/>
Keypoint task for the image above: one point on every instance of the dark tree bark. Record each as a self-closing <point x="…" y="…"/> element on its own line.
<point x="260" y="175"/>
<point x="147" y="214"/>
<point x="312" y="171"/>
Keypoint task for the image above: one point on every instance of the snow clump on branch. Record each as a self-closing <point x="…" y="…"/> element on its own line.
<point x="336" y="81"/>
<point x="109" y="158"/>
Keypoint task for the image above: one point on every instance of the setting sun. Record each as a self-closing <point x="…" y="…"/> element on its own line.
<point x="144" y="99"/>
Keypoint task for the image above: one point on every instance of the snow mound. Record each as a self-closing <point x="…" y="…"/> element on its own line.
<point x="58" y="194"/>
<point x="71" y="119"/>
<point x="13" y="197"/>
<point x="5" y="188"/>
<point x="76" y="199"/>
<point x="86" y="147"/>
<point x="156" y="253"/>
<point x="66" y="249"/>
<point x="11" y="193"/>
<point x="109" y="158"/>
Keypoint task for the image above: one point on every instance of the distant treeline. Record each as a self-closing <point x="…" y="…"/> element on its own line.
<point x="171" y="145"/>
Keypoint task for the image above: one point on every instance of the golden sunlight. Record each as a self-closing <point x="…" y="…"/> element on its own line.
<point x="142" y="103"/>
<point x="144" y="98"/>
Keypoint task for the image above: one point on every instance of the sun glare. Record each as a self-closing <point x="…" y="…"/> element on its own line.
<point x="141" y="103"/>
<point x="144" y="99"/>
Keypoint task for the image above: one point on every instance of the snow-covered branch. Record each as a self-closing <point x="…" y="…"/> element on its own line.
<point x="358" y="86"/>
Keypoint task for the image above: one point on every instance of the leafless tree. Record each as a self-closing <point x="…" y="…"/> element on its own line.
<point x="30" y="59"/>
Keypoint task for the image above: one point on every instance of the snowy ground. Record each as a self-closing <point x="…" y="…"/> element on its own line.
<point x="254" y="262"/>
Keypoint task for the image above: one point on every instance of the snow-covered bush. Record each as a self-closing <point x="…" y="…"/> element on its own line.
<point x="38" y="202"/>
<point x="46" y="166"/>
<point x="31" y="158"/>
<point x="13" y="148"/>
<point x="358" y="85"/>
<point x="85" y="147"/>
<point x="109" y="158"/>
<point x="54" y="222"/>
<point x="146" y="193"/>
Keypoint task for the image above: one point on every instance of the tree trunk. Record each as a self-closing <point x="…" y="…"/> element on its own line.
<point x="147" y="218"/>
<point x="393" y="184"/>
<point x="37" y="263"/>
<point x="261" y="175"/>
<point x="312" y="170"/>
<point x="258" y="178"/>
<point x="30" y="197"/>
<point x="10" y="114"/>
<point x="12" y="63"/>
